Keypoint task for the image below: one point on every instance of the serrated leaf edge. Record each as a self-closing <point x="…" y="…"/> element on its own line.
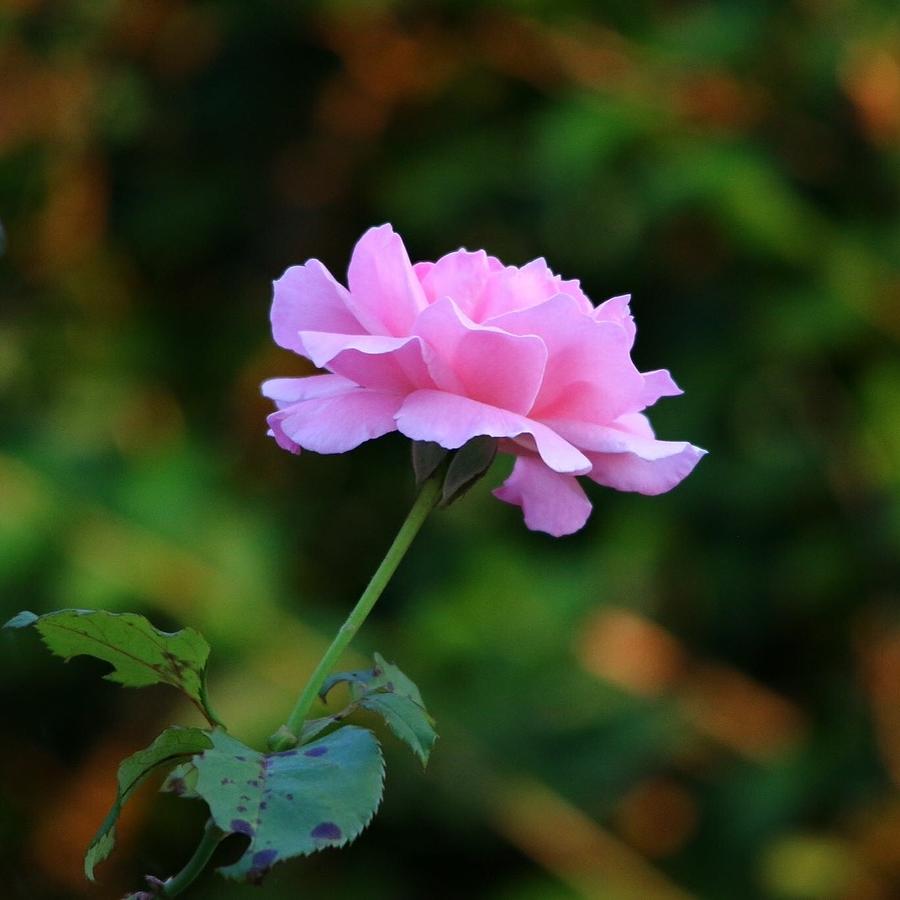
<point x="348" y="839"/>
<point x="26" y="618"/>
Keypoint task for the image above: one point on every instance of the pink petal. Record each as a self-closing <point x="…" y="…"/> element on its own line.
<point x="618" y="310"/>
<point x="308" y="298"/>
<point x="670" y="465"/>
<point x="421" y="269"/>
<point x="589" y="373"/>
<point x="451" y="420"/>
<point x="572" y="287"/>
<point x="629" y="458"/>
<point x="482" y="363"/>
<point x="287" y="391"/>
<point x="510" y="289"/>
<point x="385" y="294"/>
<point x="462" y="276"/>
<point x="372" y="361"/>
<point x="627" y="434"/>
<point x="337" y="423"/>
<point x="635" y="423"/>
<point x="551" y="502"/>
<point x="658" y="383"/>
<point x="283" y="441"/>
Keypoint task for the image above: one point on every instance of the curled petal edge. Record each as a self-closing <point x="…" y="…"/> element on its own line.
<point x="451" y="420"/>
<point x="550" y="502"/>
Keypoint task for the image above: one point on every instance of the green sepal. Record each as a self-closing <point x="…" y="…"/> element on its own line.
<point x="386" y="690"/>
<point x="173" y="744"/>
<point x="469" y="464"/>
<point x="292" y="803"/>
<point x="409" y="721"/>
<point x="140" y="654"/>
<point x="426" y="457"/>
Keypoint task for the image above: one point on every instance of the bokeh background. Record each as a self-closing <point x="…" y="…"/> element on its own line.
<point x="698" y="696"/>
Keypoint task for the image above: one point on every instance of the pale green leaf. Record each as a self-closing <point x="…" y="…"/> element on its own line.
<point x="396" y="698"/>
<point x="140" y="654"/>
<point x="408" y="720"/>
<point x="386" y="690"/>
<point x="173" y="744"/>
<point x="322" y="794"/>
<point x="389" y="677"/>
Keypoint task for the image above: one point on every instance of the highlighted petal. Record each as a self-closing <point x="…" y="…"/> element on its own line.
<point x="480" y="362"/>
<point x="451" y="420"/>
<point x="372" y="361"/>
<point x="658" y="383"/>
<point x="287" y="391"/>
<point x="627" y="434"/>
<point x="589" y="374"/>
<point x="385" y="294"/>
<point x="337" y="423"/>
<point x="670" y="463"/>
<point x="618" y="310"/>
<point x="551" y="502"/>
<point x="462" y="276"/>
<point x="307" y="298"/>
<point x="628" y="458"/>
<point x="635" y="423"/>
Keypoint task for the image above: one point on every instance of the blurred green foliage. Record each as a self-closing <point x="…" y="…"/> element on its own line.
<point x="696" y="696"/>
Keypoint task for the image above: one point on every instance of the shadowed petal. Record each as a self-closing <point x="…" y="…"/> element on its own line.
<point x="479" y="362"/>
<point x="372" y="361"/>
<point x="551" y="502"/>
<point x="589" y="373"/>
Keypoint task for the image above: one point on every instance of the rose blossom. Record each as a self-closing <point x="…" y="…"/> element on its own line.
<point x="466" y="346"/>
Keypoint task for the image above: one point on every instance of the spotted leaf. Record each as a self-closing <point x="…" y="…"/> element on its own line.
<point x="321" y="794"/>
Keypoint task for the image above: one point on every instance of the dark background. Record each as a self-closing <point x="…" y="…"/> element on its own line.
<point x="696" y="696"/>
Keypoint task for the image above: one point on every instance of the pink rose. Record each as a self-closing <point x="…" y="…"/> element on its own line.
<point x="466" y="346"/>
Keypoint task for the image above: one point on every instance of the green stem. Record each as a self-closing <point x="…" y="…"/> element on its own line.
<point x="288" y="735"/>
<point x="206" y="707"/>
<point x="211" y="839"/>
